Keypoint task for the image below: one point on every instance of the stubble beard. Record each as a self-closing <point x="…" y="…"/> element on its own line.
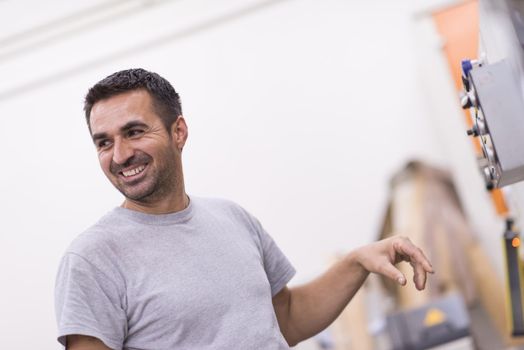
<point x="160" y="183"/>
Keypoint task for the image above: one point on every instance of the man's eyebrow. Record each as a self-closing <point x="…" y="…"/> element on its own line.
<point x="98" y="136"/>
<point x="129" y="125"/>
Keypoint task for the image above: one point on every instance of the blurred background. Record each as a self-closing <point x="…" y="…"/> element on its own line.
<point x="304" y="112"/>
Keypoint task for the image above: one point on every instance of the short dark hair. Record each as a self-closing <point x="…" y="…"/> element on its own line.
<point x="166" y="101"/>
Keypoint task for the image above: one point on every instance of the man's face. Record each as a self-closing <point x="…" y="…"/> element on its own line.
<point x="136" y="152"/>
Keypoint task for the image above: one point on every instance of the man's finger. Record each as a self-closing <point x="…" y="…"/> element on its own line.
<point x="392" y="272"/>
<point x="419" y="276"/>
<point x="415" y="254"/>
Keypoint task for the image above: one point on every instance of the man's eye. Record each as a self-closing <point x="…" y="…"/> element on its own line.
<point x="134" y="132"/>
<point x="103" y="143"/>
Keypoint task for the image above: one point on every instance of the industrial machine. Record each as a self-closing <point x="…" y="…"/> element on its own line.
<point x="494" y="94"/>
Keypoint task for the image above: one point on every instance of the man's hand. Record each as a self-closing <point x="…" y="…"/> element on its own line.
<point x="380" y="257"/>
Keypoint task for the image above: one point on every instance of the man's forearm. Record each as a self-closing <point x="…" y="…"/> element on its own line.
<point x="315" y="305"/>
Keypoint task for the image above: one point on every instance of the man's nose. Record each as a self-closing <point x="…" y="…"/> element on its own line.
<point x="122" y="151"/>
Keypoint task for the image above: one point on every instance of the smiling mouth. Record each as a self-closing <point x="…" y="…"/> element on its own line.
<point x="134" y="171"/>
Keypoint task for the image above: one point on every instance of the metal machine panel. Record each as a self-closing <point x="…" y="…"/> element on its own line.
<point x="502" y="111"/>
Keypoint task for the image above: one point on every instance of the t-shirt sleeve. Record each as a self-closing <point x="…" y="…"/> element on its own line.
<point x="88" y="302"/>
<point x="278" y="269"/>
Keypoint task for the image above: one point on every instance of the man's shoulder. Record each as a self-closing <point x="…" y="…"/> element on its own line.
<point x="94" y="255"/>
<point x="227" y="208"/>
<point x="221" y="206"/>
<point x="215" y="202"/>
<point x="96" y="238"/>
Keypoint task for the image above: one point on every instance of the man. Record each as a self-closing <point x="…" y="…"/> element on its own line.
<point x="169" y="271"/>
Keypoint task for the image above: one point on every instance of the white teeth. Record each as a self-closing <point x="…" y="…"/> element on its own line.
<point x="133" y="171"/>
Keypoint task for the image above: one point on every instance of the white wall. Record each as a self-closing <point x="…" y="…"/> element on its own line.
<point x="298" y="110"/>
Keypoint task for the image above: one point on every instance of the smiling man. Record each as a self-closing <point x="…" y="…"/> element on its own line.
<point x="139" y="152"/>
<point x="169" y="271"/>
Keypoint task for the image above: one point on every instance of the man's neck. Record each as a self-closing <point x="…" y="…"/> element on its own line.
<point x="165" y="206"/>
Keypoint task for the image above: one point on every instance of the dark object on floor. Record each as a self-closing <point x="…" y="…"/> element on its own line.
<point x="439" y="322"/>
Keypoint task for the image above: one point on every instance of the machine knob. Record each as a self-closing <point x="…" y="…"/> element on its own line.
<point x="488" y="176"/>
<point x="466" y="66"/>
<point x="468" y="100"/>
<point x="474" y="131"/>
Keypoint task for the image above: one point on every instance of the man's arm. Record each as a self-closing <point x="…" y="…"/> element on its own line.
<point x="84" y="342"/>
<point x="305" y="310"/>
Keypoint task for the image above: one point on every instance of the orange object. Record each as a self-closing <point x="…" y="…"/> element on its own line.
<point x="499" y="201"/>
<point x="515" y="242"/>
<point x="459" y="27"/>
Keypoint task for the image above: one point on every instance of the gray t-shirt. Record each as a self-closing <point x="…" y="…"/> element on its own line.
<point x="201" y="278"/>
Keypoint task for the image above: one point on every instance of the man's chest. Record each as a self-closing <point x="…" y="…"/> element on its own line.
<point x="177" y="283"/>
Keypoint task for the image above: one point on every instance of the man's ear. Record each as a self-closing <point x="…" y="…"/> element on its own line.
<point x="179" y="132"/>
